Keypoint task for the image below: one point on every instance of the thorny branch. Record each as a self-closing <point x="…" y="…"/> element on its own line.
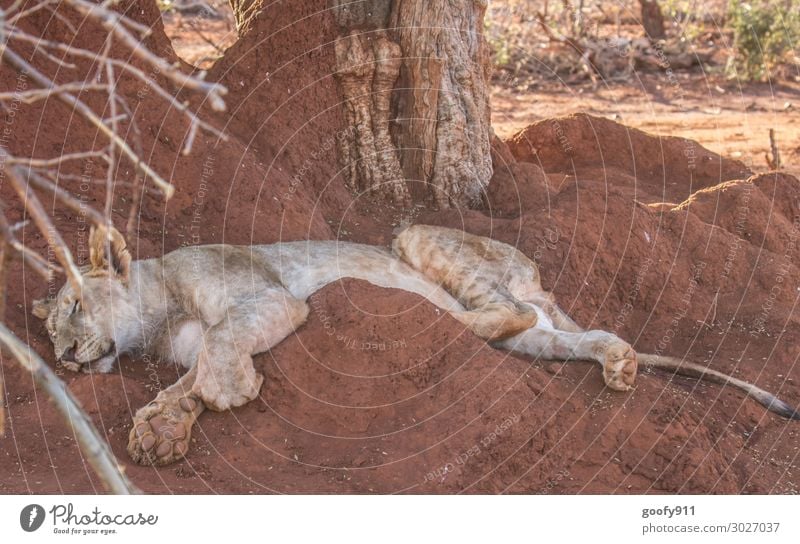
<point x="31" y="176"/>
<point x="92" y="445"/>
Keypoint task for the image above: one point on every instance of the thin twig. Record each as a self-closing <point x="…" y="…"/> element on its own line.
<point x="4" y="258"/>
<point x="34" y="95"/>
<point x="30" y="11"/>
<point x="45" y="226"/>
<point x="29" y="257"/>
<point x="16" y="34"/>
<point x="44" y="163"/>
<point x="112" y="104"/>
<point x="773" y="162"/>
<point x="20" y="64"/>
<point x="67" y="199"/>
<point x="112" y="22"/>
<point x="91" y="443"/>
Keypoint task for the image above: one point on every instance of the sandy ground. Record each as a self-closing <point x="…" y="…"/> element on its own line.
<point x="729" y="118"/>
<point x="400" y="398"/>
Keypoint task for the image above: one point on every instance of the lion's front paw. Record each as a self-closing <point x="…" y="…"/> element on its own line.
<point x="619" y="367"/>
<point x="162" y="429"/>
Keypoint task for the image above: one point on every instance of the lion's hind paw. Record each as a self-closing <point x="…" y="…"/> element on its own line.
<point x="619" y="367"/>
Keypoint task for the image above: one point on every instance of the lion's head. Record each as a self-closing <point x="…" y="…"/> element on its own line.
<point x="89" y="329"/>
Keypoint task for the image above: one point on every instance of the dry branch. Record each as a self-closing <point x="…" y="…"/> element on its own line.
<point x="29" y="176"/>
<point x="44" y="163"/>
<point x="4" y="259"/>
<point x="15" y="34"/>
<point x="29" y="257"/>
<point x="773" y="161"/>
<point x="91" y="443"/>
<point x="45" y="226"/>
<point x="86" y="112"/>
<point x="67" y="199"/>
<point x="33" y="95"/>
<point x="112" y="22"/>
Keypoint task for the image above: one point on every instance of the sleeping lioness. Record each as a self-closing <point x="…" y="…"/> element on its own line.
<point x="211" y="308"/>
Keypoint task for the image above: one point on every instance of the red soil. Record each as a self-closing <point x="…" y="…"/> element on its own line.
<point x="381" y="392"/>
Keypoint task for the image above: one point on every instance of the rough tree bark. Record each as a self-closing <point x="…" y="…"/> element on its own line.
<point x="652" y="20"/>
<point x="413" y="76"/>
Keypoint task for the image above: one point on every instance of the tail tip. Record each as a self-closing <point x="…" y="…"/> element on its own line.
<point x="784" y="409"/>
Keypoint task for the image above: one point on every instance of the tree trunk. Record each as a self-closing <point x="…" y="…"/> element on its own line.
<point x="413" y="75"/>
<point x="652" y="20"/>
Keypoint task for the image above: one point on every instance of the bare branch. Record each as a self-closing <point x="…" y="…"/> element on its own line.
<point x="20" y="64"/>
<point x="183" y="108"/>
<point x="112" y="22"/>
<point x="34" y="95"/>
<point x="112" y="104"/>
<point x="45" y="226"/>
<point x="29" y="257"/>
<point x="4" y="259"/>
<point x="44" y="163"/>
<point x="774" y="161"/>
<point x="91" y="443"/>
<point x="67" y="199"/>
<point x="30" y="11"/>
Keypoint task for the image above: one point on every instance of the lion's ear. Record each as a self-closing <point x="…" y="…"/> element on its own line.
<point x="42" y="307"/>
<point x="108" y="252"/>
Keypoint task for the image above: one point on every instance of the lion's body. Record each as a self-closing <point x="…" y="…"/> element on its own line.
<point x="211" y="308"/>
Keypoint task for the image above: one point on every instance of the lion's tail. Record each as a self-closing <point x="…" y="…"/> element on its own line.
<point x="770" y="401"/>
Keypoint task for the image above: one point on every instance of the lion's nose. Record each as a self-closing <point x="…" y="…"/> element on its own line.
<point x="69" y="353"/>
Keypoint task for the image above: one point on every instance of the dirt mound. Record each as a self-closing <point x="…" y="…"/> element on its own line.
<point x="650" y="169"/>
<point x="287" y="105"/>
<point x="382" y="392"/>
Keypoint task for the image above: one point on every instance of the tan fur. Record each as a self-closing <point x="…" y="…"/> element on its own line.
<point x="108" y="253"/>
<point x="211" y="308"/>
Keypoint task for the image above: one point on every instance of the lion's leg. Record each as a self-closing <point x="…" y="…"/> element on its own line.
<point x="162" y="429"/>
<point x="226" y="377"/>
<point x="616" y="355"/>
<point x="561" y="320"/>
<point x="558" y="317"/>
